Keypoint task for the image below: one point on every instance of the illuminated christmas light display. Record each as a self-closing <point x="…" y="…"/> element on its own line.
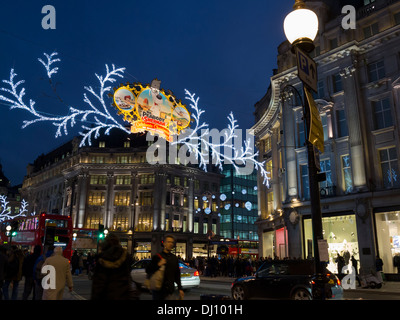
<point x="146" y="108"/>
<point x="5" y="210"/>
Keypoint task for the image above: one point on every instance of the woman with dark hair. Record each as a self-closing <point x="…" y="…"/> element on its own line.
<point x="111" y="278"/>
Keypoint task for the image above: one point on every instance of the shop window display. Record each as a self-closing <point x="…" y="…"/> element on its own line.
<point x="388" y="234"/>
<point x="341" y="235"/>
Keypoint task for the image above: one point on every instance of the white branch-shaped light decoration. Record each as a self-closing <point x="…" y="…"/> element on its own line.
<point x="49" y="62"/>
<point x="198" y="143"/>
<point x="5" y="210"/>
<point x="107" y="121"/>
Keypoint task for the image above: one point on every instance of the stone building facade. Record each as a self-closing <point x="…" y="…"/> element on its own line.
<point x="111" y="183"/>
<point x="358" y="100"/>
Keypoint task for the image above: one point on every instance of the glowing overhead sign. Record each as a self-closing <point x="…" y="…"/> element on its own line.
<point x="149" y="108"/>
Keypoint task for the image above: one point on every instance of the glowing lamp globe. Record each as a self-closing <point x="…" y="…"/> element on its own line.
<point x="301" y="27"/>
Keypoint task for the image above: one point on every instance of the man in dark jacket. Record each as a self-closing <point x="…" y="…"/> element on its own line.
<point x="172" y="273"/>
<point x="111" y="278"/>
<point x="27" y="272"/>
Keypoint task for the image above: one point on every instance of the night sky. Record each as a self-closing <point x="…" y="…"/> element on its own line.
<point x="222" y="50"/>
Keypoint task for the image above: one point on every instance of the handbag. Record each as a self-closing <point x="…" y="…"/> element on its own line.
<point x="156" y="280"/>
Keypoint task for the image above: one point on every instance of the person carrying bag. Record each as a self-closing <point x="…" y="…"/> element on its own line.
<point x="155" y="281"/>
<point x="167" y="266"/>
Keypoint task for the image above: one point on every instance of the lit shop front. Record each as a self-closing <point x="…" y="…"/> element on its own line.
<point x="341" y="235"/>
<point x="388" y="239"/>
<point x="275" y="243"/>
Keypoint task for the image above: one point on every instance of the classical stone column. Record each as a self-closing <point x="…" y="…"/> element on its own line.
<point x="190" y="204"/>
<point x="276" y="187"/>
<point x="354" y="118"/>
<point x="134" y="207"/>
<point x="109" y="205"/>
<point x="289" y="124"/>
<point x="159" y="200"/>
<point x="81" y="201"/>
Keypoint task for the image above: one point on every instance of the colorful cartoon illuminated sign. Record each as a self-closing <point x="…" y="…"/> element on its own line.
<point x="149" y="108"/>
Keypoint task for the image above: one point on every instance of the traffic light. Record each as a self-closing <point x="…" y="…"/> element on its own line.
<point x="101" y="232"/>
<point x="14" y="228"/>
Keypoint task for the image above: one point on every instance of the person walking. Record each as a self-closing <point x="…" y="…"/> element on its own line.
<point x="75" y="263"/>
<point x="172" y="273"/>
<point x="3" y="266"/>
<point x="13" y="272"/>
<point x="37" y="272"/>
<point x="27" y="272"/>
<point x="62" y="275"/>
<point x="111" y="277"/>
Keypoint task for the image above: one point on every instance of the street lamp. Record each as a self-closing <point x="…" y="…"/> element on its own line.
<point x="301" y="28"/>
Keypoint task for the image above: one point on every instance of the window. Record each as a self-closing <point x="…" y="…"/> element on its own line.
<point x="342" y="123"/>
<point x="346" y="173"/>
<point x="397" y="18"/>
<point x="146" y="198"/>
<point x="96" y="198"/>
<point x="337" y="83"/>
<point x="98" y="179"/>
<point x="326" y="167"/>
<point x="367" y="2"/>
<point x="267" y="144"/>
<point x="320" y="91"/>
<point x="268" y="167"/>
<point x="124" y="159"/>
<point x="122" y="199"/>
<point x="127" y="144"/>
<point x="382" y="112"/>
<point x="196" y="225"/>
<point x="389" y="167"/>
<point x="102" y="144"/>
<point x="301" y="134"/>
<point x="333" y="43"/>
<point x="305" y="188"/>
<point x="97" y="159"/>
<point x="324" y="120"/>
<point x="147" y="179"/>
<point x="371" y="30"/>
<point x="123" y="179"/>
<point x="205" y="226"/>
<point x="176" y="223"/>
<point x="376" y="71"/>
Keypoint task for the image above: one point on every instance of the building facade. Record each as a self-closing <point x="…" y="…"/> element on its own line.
<point x="358" y="99"/>
<point x="112" y="184"/>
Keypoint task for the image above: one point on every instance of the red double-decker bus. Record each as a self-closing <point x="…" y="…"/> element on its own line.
<point x="43" y="229"/>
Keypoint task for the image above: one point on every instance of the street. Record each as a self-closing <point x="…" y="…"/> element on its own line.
<point x="211" y="286"/>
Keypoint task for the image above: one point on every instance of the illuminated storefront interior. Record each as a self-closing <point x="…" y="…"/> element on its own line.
<point x="341" y="235"/>
<point x="275" y="243"/>
<point x="388" y="237"/>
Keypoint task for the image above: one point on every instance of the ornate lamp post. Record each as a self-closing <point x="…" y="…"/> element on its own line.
<point x="301" y="28"/>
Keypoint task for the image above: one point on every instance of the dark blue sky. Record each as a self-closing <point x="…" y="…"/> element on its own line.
<point x="222" y="50"/>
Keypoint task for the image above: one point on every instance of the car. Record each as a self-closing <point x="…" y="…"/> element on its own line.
<point x="283" y="279"/>
<point x="190" y="278"/>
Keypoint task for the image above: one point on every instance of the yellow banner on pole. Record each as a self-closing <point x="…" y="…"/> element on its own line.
<point x="316" y="133"/>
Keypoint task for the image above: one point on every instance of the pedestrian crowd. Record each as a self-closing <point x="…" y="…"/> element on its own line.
<point x="16" y="264"/>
